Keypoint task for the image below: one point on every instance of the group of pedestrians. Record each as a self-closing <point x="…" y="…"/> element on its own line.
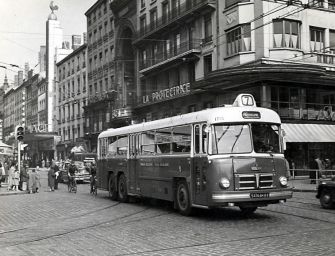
<point x="23" y="179"/>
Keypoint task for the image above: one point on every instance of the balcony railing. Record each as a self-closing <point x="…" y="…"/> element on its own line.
<point x="304" y="111"/>
<point x="188" y="7"/>
<point x="326" y="58"/>
<point x="174" y="52"/>
<point x="110" y="95"/>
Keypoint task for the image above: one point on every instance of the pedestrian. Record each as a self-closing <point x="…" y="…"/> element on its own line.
<point x="57" y="176"/>
<point x="33" y="181"/>
<point x="2" y="174"/>
<point x="24" y="177"/>
<point x="11" y="176"/>
<point x="316" y="166"/>
<point x="16" y="179"/>
<point x="38" y="180"/>
<point x="51" y="177"/>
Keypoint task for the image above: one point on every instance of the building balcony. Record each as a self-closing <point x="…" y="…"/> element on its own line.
<point x="105" y="37"/>
<point x="176" y="16"/>
<point x="187" y="50"/>
<point x="122" y="113"/>
<point x="107" y="96"/>
<point x="326" y="58"/>
<point x="304" y="111"/>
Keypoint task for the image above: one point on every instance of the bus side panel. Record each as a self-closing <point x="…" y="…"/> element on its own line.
<point x="157" y="174"/>
<point x="112" y="165"/>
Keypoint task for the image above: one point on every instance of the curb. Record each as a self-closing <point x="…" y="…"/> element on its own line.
<point x="304" y="190"/>
<point x="10" y="193"/>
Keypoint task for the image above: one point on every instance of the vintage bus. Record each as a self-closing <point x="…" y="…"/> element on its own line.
<point x="226" y="156"/>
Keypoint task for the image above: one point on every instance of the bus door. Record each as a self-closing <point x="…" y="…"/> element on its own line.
<point x="132" y="164"/>
<point x="199" y="164"/>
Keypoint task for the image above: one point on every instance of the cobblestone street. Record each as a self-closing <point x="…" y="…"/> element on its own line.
<point x="63" y="223"/>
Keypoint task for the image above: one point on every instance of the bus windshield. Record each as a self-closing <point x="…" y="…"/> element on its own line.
<point x="265" y="137"/>
<point x="239" y="138"/>
<point x="232" y="138"/>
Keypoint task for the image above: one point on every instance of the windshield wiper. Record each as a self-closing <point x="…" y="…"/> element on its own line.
<point x="224" y="132"/>
<point x="237" y="137"/>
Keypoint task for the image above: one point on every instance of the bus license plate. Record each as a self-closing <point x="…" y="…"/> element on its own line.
<point x="259" y="195"/>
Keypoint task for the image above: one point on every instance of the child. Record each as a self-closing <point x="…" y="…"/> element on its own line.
<point x="16" y="178"/>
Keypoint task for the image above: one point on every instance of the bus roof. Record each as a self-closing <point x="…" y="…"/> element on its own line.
<point x="215" y="115"/>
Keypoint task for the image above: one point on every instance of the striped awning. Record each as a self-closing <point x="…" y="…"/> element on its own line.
<point x="309" y="132"/>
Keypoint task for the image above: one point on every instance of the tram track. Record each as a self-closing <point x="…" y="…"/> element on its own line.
<point x="218" y="242"/>
<point x="300" y="216"/>
<point x="89" y="227"/>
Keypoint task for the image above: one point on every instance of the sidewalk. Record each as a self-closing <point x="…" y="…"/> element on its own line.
<point x="4" y="186"/>
<point x="302" y="185"/>
<point x="298" y="185"/>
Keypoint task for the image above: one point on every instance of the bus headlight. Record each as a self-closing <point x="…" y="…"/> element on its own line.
<point x="283" y="181"/>
<point x="224" y="183"/>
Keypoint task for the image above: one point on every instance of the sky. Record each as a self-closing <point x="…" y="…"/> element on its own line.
<point x="23" y="26"/>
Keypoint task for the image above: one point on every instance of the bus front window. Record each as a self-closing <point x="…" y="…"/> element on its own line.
<point x="233" y="138"/>
<point x="265" y="138"/>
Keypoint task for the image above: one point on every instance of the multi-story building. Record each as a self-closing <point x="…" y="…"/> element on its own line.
<point x="32" y="102"/>
<point x="111" y="26"/>
<point x="71" y="97"/>
<point x="195" y="54"/>
<point x="14" y="111"/>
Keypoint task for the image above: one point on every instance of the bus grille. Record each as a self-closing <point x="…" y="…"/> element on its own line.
<point x="254" y="181"/>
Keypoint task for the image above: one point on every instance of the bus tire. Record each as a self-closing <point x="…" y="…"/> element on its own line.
<point x="112" y="187"/>
<point x="326" y="199"/>
<point x="248" y="210"/>
<point x="122" y="189"/>
<point x="183" y="198"/>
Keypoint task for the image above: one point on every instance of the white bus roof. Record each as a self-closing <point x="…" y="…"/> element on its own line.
<point x="210" y="116"/>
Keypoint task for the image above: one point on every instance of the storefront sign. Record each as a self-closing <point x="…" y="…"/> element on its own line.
<point x="37" y="128"/>
<point x="167" y="93"/>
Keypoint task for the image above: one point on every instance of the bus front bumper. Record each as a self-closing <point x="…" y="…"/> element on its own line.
<point x="251" y="196"/>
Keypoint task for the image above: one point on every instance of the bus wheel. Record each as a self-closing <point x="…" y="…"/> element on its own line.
<point x="183" y="199"/>
<point x="326" y="200"/>
<point x="112" y="188"/>
<point x="247" y="210"/>
<point x="122" y="189"/>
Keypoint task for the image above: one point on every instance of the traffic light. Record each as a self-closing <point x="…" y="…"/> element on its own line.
<point x="19" y="133"/>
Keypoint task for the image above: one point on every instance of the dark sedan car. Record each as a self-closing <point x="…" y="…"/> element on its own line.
<point x="326" y="194"/>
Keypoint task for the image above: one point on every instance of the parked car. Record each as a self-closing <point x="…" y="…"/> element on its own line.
<point x="81" y="175"/>
<point x="326" y="194"/>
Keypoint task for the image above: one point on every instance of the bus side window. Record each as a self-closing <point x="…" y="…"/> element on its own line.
<point x="163" y="141"/>
<point x="122" y="145"/>
<point x="181" y="139"/>
<point x="147" y="143"/>
<point x="196" y="139"/>
<point x="204" y="139"/>
<point x="112" y="147"/>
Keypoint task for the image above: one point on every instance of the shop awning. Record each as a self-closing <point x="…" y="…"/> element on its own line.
<point x="309" y="132"/>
